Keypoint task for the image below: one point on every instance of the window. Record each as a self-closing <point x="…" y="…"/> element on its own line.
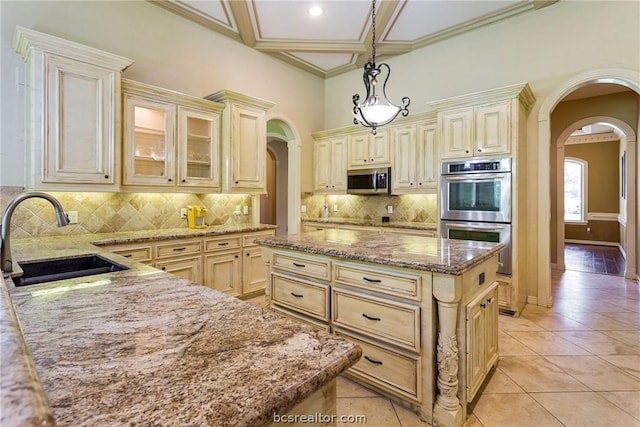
<point x="575" y="190"/>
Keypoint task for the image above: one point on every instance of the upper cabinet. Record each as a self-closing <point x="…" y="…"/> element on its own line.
<point x="330" y="165"/>
<point x="367" y="150"/>
<point x="171" y="140"/>
<point x="481" y="124"/>
<point x="73" y="113"/>
<point x="244" y="142"/>
<point x="415" y="158"/>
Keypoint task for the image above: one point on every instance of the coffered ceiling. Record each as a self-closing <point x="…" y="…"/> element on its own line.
<point x="340" y="39"/>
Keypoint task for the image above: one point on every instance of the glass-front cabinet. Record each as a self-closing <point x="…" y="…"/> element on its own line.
<point x="170" y="139"/>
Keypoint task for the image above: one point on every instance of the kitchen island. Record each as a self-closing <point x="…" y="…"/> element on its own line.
<point x="424" y="310"/>
<point x="144" y="347"/>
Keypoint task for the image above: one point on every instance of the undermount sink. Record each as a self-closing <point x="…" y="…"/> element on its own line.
<point x="64" y="268"/>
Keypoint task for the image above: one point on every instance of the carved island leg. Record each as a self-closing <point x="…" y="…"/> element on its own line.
<point x="447" y="410"/>
<point x="266" y="258"/>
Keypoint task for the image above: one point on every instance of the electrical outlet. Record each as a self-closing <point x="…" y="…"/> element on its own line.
<point x="389" y="209"/>
<point x="303" y="208"/>
<point x="245" y="210"/>
<point x="335" y="208"/>
<point x="73" y="217"/>
<point x="183" y="212"/>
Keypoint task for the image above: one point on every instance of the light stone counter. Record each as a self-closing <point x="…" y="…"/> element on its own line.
<point x="143" y="347"/>
<point x="372" y="223"/>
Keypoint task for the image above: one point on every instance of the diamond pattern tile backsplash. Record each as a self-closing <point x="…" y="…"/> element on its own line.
<point x="110" y="212"/>
<point x="421" y="208"/>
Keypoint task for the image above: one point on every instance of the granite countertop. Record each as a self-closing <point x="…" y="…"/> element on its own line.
<point x="373" y="223"/>
<point x="144" y="347"/>
<point x="416" y="252"/>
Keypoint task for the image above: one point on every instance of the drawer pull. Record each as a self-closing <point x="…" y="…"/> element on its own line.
<point x="297" y="295"/>
<point x="490" y="300"/>
<point x="372" y="280"/>
<point x="128" y="255"/>
<point x="372" y="318"/>
<point x="223" y="244"/>
<point x="178" y="249"/>
<point x="374" y="361"/>
<point x="299" y="265"/>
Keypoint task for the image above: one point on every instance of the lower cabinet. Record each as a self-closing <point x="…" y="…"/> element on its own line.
<point x="230" y="263"/>
<point x="482" y="338"/>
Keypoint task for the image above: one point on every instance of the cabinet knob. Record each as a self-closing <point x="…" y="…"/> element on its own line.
<point x="236" y="256"/>
<point x="411" y="184"/>
<point x="365" y="160"/>
<point x="106" y="177"/>
<point x="164" y="268"/>
<point x="466" y="151"/>
<point x="237" y="182"/>
<point x="479" y="150"/>
<point x="483" y="305"/>
<point x="372" y="160"/>
<point x="184" y="180"/>
<point x="333" y="186"/>
<point x="419" y="183"/>
<point x="327" y="186"/>
<point x="170" y="180"/>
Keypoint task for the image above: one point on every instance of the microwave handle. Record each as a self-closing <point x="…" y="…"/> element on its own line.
<point x="485" y="177"/>
<point x="473" y="227"/>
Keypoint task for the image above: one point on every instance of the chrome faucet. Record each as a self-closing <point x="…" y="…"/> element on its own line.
<point x="5" y="251"/>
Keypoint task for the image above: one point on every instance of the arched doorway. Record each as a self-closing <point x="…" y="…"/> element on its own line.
<point x="624" y="138"/>
<point x="628" y="78"/>
<point x="284" y="143"/>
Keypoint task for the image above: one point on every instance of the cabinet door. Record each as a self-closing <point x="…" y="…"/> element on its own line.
<point x="148" y="142"/>
<point x="380" y="149"/>
<point x="339" y="164"/>
<point x="475" y="349"/>
<point x="222" y="272"/>
<point x="358" y="156"/>
<point x="322" y="165"/>
<point x="456" y="130"/>
<point x="139" y="252"/>
<point x="248" y="150"/>
<point x="253" y="270"/>
<point x="403" y="174"/>
<point x="492" y="129"/>
<point x="189" y="268"/>
<point x="80" y="142"/>
<point x="198" y="148"/>
<point x="491" y="327"/>
<point x="427" y="157"/>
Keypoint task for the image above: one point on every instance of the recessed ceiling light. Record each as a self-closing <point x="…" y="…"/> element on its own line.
<point x="315" y="11"/>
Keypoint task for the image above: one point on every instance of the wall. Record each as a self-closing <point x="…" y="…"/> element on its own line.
<point x="545" y="48"/>
<point x="168" y="51"/>
<point x="406" y="208"/>
<point x="111" y="212"/>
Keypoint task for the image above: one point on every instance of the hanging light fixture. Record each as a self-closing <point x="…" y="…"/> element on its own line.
<point x="376" y="110"/>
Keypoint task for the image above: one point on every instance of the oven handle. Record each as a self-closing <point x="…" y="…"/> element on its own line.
<point x="484" y="177"/>
<point x="473" y="227"/>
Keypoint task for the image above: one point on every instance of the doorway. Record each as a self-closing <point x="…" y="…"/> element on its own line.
<point x="273" y="204"/>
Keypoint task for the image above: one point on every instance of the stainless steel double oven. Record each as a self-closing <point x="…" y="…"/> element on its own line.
<point x="475" y="203"/>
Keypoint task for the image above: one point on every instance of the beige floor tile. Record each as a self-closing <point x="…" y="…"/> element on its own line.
<point x="584" y="410"/>
<point x="378" y="411"/>
<point x="628" y="401"/>
<point x="512" y="410"/>
<point x="556" y="322"/>
<point x="407" y="417"/>
<point x="629" y="318"/>
<point x="472" y="421"/>
<point x="499" y="382"/>
<point x="598" y="321"/>
<point x="595" y="373"/>
<point x="627" y="337"/>
<point x="599" y="343"/>
<point x="509" y="323"/>
<point x="537" y="374"/>
<point x="629" y="364"/>
<point x="347" y="388"/>
<point x="509" y="346"/>
<point x="547" y="343"/>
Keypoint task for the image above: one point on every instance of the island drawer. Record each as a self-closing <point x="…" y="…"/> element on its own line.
<point x="400" y="284"/>
<point x="175" y="248"/>
<point x="315" y="267"/>
<point x="395" y="372"/>
<point x="222" y="243"/>
<point x="303" y="296"/>
<point x="248" y="239"/>
<point x="392" y="322"/>
<point x="315" y="324"/>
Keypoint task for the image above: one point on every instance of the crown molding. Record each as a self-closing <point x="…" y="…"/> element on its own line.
<point x="521" y="91"/>
<point x="226" y="95"/>
<point x="592" y="138"/>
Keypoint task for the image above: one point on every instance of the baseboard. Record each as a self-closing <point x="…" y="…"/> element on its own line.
<point x="592" y="242"/>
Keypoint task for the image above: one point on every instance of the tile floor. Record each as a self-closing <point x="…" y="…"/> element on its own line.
<point x="576" y="364"/>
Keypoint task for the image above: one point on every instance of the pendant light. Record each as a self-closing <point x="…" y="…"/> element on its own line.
<point x="376" y="110"/>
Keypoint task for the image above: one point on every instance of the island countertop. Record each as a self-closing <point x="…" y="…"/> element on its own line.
<point x="417" y="252"/>
<point x="142" y="346"/>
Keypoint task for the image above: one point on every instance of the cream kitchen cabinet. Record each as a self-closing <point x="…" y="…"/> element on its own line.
<point x="367" y="150"/>
<point x="254" y="279"/>
<point x="222" y="264"/>
<point x="415" y="158"/>
<point x="73" y="113"/>
<point x="244" y="142"/>
<point x="181" y="257"/>
<point x="171" y="140"/>
<point x="330" y="165"/>
<point x="139" y="252"/>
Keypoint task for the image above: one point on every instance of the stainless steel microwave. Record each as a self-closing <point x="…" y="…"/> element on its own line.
<point x="369" y="181"/>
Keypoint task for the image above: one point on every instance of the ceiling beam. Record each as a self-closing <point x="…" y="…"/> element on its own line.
<point x="310" y="46"/>
<point x="240" y="12"/>
<point x="384" y="13"/>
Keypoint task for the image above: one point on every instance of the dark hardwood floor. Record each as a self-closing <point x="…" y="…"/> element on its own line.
<point x="594" y="259"/>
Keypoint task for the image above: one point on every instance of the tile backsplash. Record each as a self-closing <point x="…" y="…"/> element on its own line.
<point x="111" y="212"/>
<point x="406" y="208"/>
